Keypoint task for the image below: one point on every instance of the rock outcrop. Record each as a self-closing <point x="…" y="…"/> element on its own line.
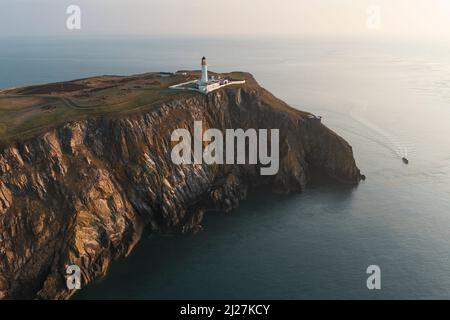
<point x="84" y="192"/>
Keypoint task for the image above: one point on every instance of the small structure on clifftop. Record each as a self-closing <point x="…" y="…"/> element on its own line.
<point x="314" y="117"/>
<point x="205" y="84"/>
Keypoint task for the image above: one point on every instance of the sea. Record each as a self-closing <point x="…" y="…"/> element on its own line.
<point x="389" y="98"/>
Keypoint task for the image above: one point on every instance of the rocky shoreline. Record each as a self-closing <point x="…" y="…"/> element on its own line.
<point x="84" y="192"/>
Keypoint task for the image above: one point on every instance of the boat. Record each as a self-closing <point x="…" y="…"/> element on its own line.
<point x="405" y="161"/>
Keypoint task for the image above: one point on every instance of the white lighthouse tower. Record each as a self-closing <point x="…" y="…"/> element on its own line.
<point x="204" y="78"/>
<point x="204" y="84"/>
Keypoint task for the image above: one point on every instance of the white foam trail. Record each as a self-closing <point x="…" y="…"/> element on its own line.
<point x="396" y="145"/>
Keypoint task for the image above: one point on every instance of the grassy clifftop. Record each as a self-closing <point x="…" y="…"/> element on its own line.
<point x="27" y="111"/>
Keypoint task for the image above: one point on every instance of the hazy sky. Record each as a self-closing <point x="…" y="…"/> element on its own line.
<point x="427" y="18"/>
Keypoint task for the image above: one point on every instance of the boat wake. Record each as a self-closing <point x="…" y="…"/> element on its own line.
<point x="399" y="146"/>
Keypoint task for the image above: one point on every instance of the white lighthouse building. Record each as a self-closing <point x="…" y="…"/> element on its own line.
<point x="204" y="77"/>
<point x="204" y="84"/>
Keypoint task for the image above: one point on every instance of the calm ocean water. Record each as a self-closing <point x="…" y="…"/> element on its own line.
<point x="388" y="99"/>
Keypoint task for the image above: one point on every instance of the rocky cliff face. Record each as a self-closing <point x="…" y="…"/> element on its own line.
<point x="83" y="193"/>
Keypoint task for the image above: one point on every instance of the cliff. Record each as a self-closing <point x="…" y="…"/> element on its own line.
<point x="82" y="191"/>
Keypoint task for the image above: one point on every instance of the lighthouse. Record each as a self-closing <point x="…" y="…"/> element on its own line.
<point x="204" y="78"/>
<point x="206" y="85"/>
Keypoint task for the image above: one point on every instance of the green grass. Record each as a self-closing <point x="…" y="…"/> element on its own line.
<point x="23" y="113"/>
